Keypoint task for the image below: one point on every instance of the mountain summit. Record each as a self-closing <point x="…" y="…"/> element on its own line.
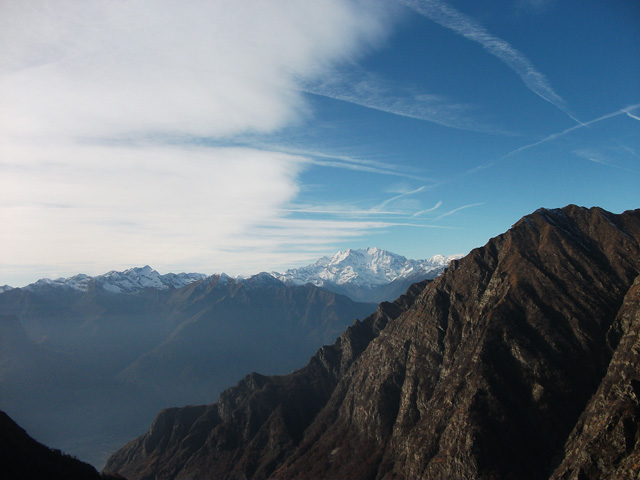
<point x="522" y="360"/>
<point x="369" y="274"/>
<point x="130" y="281"/>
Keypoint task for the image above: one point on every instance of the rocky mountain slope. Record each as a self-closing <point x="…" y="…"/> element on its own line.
<point x="520" y="361"/>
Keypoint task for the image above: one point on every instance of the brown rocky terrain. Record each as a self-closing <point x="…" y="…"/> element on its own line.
<point x="520" y="361"/>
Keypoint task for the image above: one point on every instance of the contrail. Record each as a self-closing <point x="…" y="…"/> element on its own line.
<point x="450" y="18"/>
<point x="554" y="136"/>
<point x="450" y="212"/>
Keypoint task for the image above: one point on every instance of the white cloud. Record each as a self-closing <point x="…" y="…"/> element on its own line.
<point x="99" y="99"/>
<point x="156" y="67"/>
<point x="131" y="205"/>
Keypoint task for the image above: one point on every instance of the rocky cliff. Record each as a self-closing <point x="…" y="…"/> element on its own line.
<point x="520" y="361"/>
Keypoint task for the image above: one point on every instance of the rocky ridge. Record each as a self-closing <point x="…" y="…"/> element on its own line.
<point x="520" y="361"/>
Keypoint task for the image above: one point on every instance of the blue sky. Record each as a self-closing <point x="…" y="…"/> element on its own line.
<point x="249" y="136"/>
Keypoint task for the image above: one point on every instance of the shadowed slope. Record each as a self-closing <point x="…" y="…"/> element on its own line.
<point x="21" y="457"/>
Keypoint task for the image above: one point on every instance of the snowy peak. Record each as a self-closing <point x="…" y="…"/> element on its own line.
<point x="129" y="281"/>
<point x="369" y="267"/>
<point x="261" y="280"/>
<point x="363" y="269"/>
<point x="79" y="282"/>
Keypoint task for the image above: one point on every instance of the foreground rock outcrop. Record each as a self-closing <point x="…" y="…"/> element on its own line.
<point x="520" y="361"/>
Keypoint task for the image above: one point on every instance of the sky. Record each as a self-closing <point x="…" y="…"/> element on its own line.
<point x="238" y="137"/>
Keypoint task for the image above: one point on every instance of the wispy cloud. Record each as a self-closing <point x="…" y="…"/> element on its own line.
<point x="451" y="212"/>
<point x="448" y="17"/>
<point x="284" y="239"/>
<point x="596" y="157"/>
<point x="388" y="201"/>
<point x="555" y="136"/>
<point x="630" y="115"/>
<point x="369" y="91"/>
<point x="428" y="210"/>
<point x="347" y="162"/>
<point x="341" y="211"/>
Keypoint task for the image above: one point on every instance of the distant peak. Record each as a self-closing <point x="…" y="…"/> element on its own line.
<point x="262" y="279"/>
<point x="146" y="270"/>
<point x="128" y="281"/>
<point x="367" y="267"/>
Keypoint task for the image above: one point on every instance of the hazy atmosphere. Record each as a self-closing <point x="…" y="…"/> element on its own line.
<point x="237" y="137"/>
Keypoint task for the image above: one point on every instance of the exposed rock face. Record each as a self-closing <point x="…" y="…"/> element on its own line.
<point x="488" y="372"/>
<point x="604" y="443"/>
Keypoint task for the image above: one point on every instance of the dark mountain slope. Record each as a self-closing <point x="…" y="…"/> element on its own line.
<point x="484" y="375"/>
<point x="604" y="443"/>
<point x="21" y="457"/>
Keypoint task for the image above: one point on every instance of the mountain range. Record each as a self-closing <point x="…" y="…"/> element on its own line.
<point x="85" y="362"/>
<point x="365" y="275"/>
<point x="521" y="361"/>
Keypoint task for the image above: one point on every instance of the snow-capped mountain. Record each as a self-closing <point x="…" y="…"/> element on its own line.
<point x="370" y="267"/>
<point x="369" y="274"/>
<point x="129" y="281"/>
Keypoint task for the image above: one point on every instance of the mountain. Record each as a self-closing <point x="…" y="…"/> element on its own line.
<point x="235" y="328"/>
<point x="520" y="361"/>
<point x="367" y="275"/>
<point x="84" y="369"/>
<point x="129" y="281"/>
<point x="21" y="457"/>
